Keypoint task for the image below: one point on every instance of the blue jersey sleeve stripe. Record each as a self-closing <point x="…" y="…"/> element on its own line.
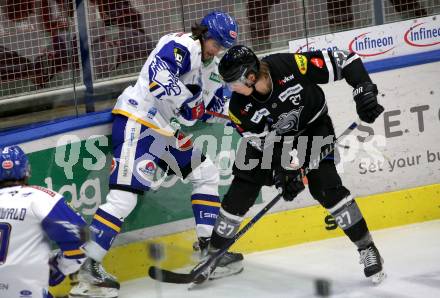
<point x="64" y="226"/>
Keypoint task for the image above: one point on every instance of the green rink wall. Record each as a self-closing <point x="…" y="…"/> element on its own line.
<point x="79" y="170"/>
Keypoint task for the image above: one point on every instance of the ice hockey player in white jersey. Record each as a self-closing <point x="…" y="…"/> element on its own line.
<point x="31" y="216"/>
<point x="176" y="85"/>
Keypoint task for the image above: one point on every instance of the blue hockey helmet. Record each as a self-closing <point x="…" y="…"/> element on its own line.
<point x="221" y="27"/>
<point x="14" y="164"/>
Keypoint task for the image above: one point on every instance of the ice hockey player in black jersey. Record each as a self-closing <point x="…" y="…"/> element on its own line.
<point x="279" y="97"/>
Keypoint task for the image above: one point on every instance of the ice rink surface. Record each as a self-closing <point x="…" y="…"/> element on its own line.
<point x="412" y="262"/>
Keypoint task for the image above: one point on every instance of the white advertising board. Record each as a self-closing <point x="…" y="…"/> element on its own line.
<point x="407" y="133"/>
<point x="379" y="42"/>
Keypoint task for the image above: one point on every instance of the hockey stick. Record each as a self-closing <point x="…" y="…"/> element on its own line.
<point x="378" y="153"/>
<point x="185" y="278"/>
<point x="218" y="115"/>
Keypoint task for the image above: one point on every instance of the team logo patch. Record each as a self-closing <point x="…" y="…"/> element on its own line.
<point x="258" y="115"/>
<point x="318" y="62"/>
<point x="291" y="93"/>
<point x="133" y="102"/>
<point x="288" y="121"/>
<point x="248" y="107"/>
<point x="147" y="168"/>
<point x="233" y="34"/>
<point x="179" y="56"/>
<point x="151" y="113"/>
<point x="286" y="79"/>
<point x="7" y="165"/>
<point x="233" y="118"/>
<point x="162" y="77"/>
<point x="25" y="293"/>
<point x="215" y="77"/>
<point x="301" y="61"/>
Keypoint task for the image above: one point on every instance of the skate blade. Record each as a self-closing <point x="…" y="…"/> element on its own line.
<point x="378" y="277"/>
<point x="213" y="276"/>
<point x="228" y="270"/>
<point x="225" y="273"/>
<point x="195" y="285"/>
<point x="83" y="290"/>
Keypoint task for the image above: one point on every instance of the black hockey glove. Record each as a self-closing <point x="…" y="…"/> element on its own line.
<point x="287" y="181"/>
<point x="367" y="107"/>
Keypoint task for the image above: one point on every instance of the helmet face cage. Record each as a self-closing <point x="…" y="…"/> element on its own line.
<point x="14" y="164"/>
<point x="221" y="27"/>
<point x="237" y="62"/>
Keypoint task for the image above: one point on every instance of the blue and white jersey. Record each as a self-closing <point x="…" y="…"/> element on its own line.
<point x="160" y="90"/>
<point x="31" y="216"/>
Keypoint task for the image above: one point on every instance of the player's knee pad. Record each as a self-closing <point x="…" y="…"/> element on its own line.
<point x="119" y="203"/>
<point x="205" y="178"/>
<point x="349" y="218"/>
<point x="240" y="197"/>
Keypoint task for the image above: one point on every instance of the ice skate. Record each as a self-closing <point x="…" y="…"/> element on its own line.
<point x="94" y="282"/>
<point x="228" y="264"/>
<point x="372" y="261"/>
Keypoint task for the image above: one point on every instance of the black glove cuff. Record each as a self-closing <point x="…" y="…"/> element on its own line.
<point x="364" y="90"/>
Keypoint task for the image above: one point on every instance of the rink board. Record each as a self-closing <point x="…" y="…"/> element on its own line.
<point x="283" y="229"/>
<point x="74" y="158"/>
<point x="83" y="178"/>
<point x="276" y="230"/>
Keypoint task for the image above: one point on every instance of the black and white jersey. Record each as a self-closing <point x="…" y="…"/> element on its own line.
<point x="296" y="99"/>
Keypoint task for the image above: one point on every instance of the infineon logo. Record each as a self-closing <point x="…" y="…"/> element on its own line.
<point x="367" y="46"/>
<point x="422" y="36"/>
<point x="311" y="47"/>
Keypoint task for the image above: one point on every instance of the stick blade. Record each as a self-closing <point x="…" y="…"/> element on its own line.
<point x="164" y="275"/>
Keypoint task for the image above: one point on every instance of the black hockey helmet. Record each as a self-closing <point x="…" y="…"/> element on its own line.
<point x="237" y="62"/>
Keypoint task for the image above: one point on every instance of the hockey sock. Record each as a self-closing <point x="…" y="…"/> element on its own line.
<point x="104" y="228"/>
<point x="350" y="219"/>
<point x="226" y="226"/>
<point x="205" y="208"/>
